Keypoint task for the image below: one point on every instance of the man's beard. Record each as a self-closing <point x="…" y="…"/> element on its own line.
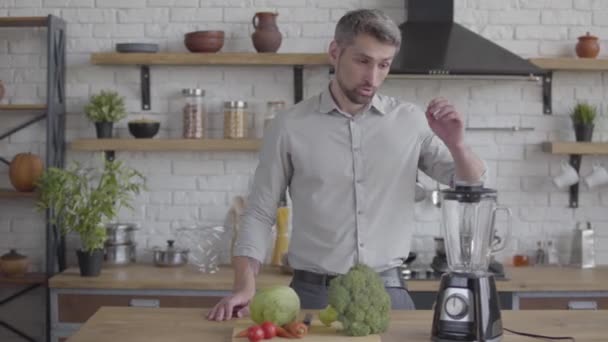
<point x="354" y="96"/>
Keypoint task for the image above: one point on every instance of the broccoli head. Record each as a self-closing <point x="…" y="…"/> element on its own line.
<point x="359" y="301"/>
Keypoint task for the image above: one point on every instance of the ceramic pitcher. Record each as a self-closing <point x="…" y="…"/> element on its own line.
<point x="267" y="37"/>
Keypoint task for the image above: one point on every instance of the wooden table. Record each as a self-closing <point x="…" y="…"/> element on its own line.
<point x="111" y="324"/>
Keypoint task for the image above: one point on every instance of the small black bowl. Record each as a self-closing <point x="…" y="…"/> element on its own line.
<point x="144" y="129"/>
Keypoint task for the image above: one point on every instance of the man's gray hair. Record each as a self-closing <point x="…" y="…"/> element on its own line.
<point x="367" y="21"/>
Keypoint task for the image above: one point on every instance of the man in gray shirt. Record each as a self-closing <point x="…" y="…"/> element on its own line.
<point x="349" y="157"/>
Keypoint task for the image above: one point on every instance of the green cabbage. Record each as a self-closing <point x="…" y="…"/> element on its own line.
<point x="278" y="304"/>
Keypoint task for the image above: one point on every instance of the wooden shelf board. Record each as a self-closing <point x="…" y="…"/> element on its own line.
<point x="225" y="58"/>
<point x="27" y="279"/>
<point x="23" y="21"/>
<point x="19" y="107"/>
<point x="9" y="193"/>
<point x="166" y="144"/>
<point x="572" y="147"/>
<point x="570" y="63"/>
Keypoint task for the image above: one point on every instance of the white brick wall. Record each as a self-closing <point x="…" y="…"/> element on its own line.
<point x="200" y="185"/>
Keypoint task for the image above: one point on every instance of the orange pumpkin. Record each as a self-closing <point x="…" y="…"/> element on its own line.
<point x="24" y="171"/>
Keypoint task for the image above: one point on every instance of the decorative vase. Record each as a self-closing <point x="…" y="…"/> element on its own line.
<point x="587" y="46"/>
<point x="583" y="132"/>
<point x="267" y="37"/>
<point x="13" y="264"/>
<point x="104" y="129"/>
<point x="90" y="262"/>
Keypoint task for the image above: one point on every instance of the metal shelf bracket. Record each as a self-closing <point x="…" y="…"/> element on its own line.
<point x="145" y="87"/>
<point x="547" y="93"/>
<point x="575" y="161"/>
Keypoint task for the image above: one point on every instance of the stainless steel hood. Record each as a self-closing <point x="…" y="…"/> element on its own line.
<point x="433" y="44"/>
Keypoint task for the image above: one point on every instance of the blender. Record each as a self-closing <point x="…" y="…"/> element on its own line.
<point x="467" y="306"/>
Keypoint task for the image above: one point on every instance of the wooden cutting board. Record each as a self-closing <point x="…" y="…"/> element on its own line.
<point x="316" y="333"/>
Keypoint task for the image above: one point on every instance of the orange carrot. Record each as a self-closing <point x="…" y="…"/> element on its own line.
<point x="242" y="333"/>
<point x="297" y="328"/>
<point x="282" y="332"/>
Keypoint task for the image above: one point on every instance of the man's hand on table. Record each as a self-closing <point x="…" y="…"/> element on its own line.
<point x="234" y="305"/>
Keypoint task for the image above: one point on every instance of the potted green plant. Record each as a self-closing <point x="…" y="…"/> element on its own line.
<point x="583" y="118"/>
<point x="82" y="200"/>
<point x="104" y="109"/>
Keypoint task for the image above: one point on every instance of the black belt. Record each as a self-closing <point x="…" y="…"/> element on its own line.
<point x="391" y="277"/>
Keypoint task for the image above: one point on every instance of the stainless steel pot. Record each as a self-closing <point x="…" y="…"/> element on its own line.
<point x="120" y="254"/>
<point x="171" y="256"/>
<point x="120" y="233"/>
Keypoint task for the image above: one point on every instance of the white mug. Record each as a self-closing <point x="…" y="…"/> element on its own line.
<point x="568" y="177"/>
<point x="598" y="176"/>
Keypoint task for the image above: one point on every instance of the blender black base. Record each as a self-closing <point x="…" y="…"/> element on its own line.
<point x="467" y="309"/>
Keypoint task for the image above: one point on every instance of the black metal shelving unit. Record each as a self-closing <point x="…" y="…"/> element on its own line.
<point x="54" y="111"/>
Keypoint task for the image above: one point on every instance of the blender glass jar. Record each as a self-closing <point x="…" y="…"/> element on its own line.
<point x="467" y="223"/>
<point x="194" y="115"/>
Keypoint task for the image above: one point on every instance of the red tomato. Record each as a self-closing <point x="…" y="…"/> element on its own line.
<point x="270" y="330"/>
<point x="255" y="333"/>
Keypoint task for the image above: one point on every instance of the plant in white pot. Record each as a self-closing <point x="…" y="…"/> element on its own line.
<point x="104" y="109"/>
<point x="583" y="119"/>
<point x="82" y="200"/>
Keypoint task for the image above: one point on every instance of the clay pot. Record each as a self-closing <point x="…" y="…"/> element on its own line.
<point x="587" y="46"/>
<point x="1" y="90"/>
<point x="204" y="41"/>
<point x="267" y="37"/>
<point x="13" y="264"/>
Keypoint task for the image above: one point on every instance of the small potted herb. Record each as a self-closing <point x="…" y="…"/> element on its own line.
<point x="82" y="200"/>
<point x="583" y="118"/>
<point x="104" y="109"/>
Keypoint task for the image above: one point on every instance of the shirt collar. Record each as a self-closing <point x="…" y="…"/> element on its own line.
<point x="328" y="105"/>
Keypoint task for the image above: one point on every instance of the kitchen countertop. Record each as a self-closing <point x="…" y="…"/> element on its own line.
<point x="142" y="276"/>
<point x="111" y="324"/>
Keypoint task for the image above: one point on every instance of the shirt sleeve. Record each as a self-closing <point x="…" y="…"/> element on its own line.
<point x="271" y="178"/>
<point x="436" y="160"/>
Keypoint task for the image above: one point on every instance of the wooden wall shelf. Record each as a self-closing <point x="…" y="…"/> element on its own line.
<point x="571" y="63"/>
<point x="572" y="147"/>
<point x="23" y="21"/>
<point x="9" y="193"/>
<point x="22" y="107"/>
<point x="296" y="60"/>
<point x="165" y="144"/>
<point x="225" y="58"/>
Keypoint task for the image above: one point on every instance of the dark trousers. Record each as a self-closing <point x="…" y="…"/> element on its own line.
<point x="314" y="296"/>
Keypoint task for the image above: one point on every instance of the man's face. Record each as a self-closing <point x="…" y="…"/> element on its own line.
<point x="360" y="68"/>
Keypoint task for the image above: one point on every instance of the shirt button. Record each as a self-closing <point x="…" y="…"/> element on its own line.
<point x="360" y="212"/>
<point x="361" y="244"/>
<point x="359" y="181"/>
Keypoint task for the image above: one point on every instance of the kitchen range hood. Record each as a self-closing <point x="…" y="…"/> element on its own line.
<point x="433" y="44"/>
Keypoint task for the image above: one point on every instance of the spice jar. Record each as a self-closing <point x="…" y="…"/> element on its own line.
<point x="235" y="119"/>
<point x="194" y="113"/>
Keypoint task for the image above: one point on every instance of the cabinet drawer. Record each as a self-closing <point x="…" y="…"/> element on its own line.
<point x="77" y="308"/>
<point x="563" y="303"/>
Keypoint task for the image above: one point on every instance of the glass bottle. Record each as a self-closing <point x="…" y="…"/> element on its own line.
<point x="194" y="115"/>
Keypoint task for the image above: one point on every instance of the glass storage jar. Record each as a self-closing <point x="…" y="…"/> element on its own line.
<point x="194" y="114"/>
<point x="235" y="119"/>
<point x="272" y="107"/>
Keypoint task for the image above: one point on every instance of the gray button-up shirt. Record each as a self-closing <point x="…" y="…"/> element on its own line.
<point x="351" y="180"/>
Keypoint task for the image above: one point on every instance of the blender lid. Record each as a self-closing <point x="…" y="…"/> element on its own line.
<point x="468" y="192"/>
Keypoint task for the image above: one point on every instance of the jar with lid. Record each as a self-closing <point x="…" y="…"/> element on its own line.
<point x="235" y="119"/>
<point x="194" y="114"/>
<point x="272" y="107"/>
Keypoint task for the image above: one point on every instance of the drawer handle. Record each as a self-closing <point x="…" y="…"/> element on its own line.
<point x="145" y="303"/>
<point x="582" y="305"/>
